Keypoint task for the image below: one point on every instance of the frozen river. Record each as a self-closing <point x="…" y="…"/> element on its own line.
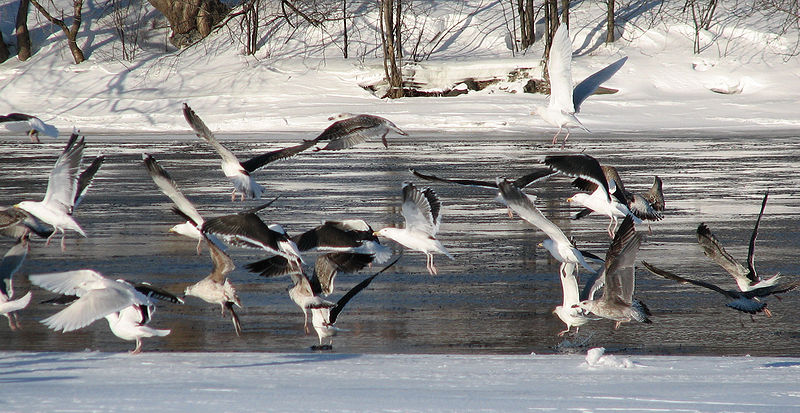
<point x="496" y="297"/>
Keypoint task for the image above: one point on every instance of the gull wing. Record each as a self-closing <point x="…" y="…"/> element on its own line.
<point x="346" y="133"/>
<point x="355" y="290"/>
<point x="714" y="250"/>
<point x="421" y="209"/>
<point x="62" y="185"/>
<point x="69" y="282"/>
<point x="203" y="132"/>
<point x="559" y="69"/>
<point x="521" y="182"/>
<point x="244" y="230"/>
<point x="619" y="265"/>
<point x="259" y="161"/>
<point x="579" y="166"/>
<point x="675" y="277"/>
<point x="524" y="207"/>
<point x="152" y="291"/>
<point x="91" y="306"/>
<point x="85" y="179"/>
<point x="587" y="87"/>
<point x="222" y="264"/>
<point x="751" y="250"/>
<point x="569" y="285"/>
<point x="11" y="262"/>
<point x="168" y="186"/>
<point x="271" y="267"/>
<point x="655" y="196"/>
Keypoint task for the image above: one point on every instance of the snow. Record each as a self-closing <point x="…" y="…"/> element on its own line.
<point x="214" y="382"/>
<point x="287" y="86"/>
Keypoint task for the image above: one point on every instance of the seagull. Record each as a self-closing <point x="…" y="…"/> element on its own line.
<point x="11" y="262"/>
<point x="305" y="293"/>
<point x="239" y="172"/>
<point x="126" y="307"/>
<point x="216" y="288"/>
<point x="31" y="125"/>
<point x="349" y="245"/>
<point x="618" y="276"/>
<point x="421" y="210"/>
<point x="564" y="101"/>
<point x="350" y="130"/>
<point x="571" y="316"/>
<point x="747" y="279"/>
<point x="195" y="223"/>
<point x="607" y="197"/>
<point x="16" y="223"/>
<point x="324" y="318"/>
<point x="559" y="246"/>
<point x="745" y="301"/>
<point x="524" y="181"/>
<point x="648" y="206"/>
<point x="62" y="191"/>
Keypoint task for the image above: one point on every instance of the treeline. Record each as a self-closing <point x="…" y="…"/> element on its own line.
<point x="405" y="30"/>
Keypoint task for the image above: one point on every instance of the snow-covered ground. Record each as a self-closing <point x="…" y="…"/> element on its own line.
<point x="663" y="88"/>
<point x="238" y="382"/>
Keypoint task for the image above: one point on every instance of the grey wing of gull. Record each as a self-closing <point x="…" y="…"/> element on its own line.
<point x="85" y="179"/>
<point x="619" y="266"/>
<point x="417" y="210"/>
<point x="579" y="166"/>
<point x="62" y="185"/>
<point x="355" y="290"/>
<point x="751" y="250"/>
<point x="655" y="196"/>
<point x="222" y="264"/>
<point x="168" y="186"/>
<point x="350" y="132"/>
<point x="524" y="207"/>
<point x="714" y="250"/>
<point x="671" y="276"/>
<point x="584" y="89"/>
<point x="260" y="161"/>
<point x="203" y="132"/>
<point x="640" y="207"/>
<point x="465" y="182"/>
<point x="613" y="176"/>
<point x="11" y="262"/>
<point x="772" y="289"/>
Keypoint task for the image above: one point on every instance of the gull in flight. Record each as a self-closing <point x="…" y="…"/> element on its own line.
<point x="239" y="172"/>
<point x="29" y="124"/>
<point x="126" y="307"/>
<point x="11" y="262"/>
<point x="62" y="191"/>
<point x="564" y="101"/>
<point x="421" y="209"/>
<point x="618" y="278"/>
<point x="350" y="130"/>
<point x="324" y="318"/>
<point x="559" y="246"/>
<point x="747" y="279"/>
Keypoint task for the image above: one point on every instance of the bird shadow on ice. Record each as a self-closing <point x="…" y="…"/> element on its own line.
<point x="26" y="364"/>
<point x="292" y="359"/>
<point x="48" y="359"/>
<point x="781" y="364"/>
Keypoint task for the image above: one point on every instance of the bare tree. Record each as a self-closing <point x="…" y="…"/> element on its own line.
<point x="23" y="36"/>
<point x="72" y="31"/>
<point x="702" y="15"/>
<point x="610" y="22"/>
<point x="527" y="22"/>
<point x="551" y="20"/>
<point x="190" y="20"/>
<point x="565" y="12"/>
<point x="391" y="42"/>
<point x="345" y="46"/>
<point x="4" y="53"/>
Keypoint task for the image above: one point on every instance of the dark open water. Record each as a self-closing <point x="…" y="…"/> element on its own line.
<point x="497" y="296"/>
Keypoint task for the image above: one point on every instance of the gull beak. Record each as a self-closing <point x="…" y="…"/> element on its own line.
<point x="540" y="245"/>
<point x="376" y="233"/>
<point x="569" y="199"/>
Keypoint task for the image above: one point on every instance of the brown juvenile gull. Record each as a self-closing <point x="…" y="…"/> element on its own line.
<point x="350" y="130"/>
<point x="421" y="209"/>
<point x="618" y="276"/>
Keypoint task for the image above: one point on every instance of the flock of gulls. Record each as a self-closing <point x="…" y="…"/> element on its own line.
<point x="606" y="291"/>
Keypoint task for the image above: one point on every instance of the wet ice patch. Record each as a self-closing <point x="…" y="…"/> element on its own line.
<point x="596" y="357"/>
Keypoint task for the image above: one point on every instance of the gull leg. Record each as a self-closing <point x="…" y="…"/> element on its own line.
<point x="233" y="195"/>
<point x="767" y="312"/>
<point x="11" y="322"/>
<point x="305" y="322"/>
<point x="199" y="246"/>
<point x="138" y="348"/>
<point x="555" y="137"/>
<point x="564" y="143"/>
<point x="63" y="238"/>
<point x="561" y="333"/>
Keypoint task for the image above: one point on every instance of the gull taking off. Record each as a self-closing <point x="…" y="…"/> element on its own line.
<point x="421" y="210"/>
<point x="564" y="101"/>
<point x="350" y="130"/>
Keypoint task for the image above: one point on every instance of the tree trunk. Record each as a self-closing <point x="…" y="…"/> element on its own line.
<point x="190" y="20"/>
<point x="23" y="36"/>
<point x="527" y="23"/>
<point x="565" y="12"/>
<point x="344" y="23"/>
<point x="610" y="22"/>
<point x="72" y="31"/>
<point x="4" y="54"/>
<point x="551" y="20"/>
<point x="391" y="69"/>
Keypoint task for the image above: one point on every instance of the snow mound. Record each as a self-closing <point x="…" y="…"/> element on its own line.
<point x="596" y="357"/>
